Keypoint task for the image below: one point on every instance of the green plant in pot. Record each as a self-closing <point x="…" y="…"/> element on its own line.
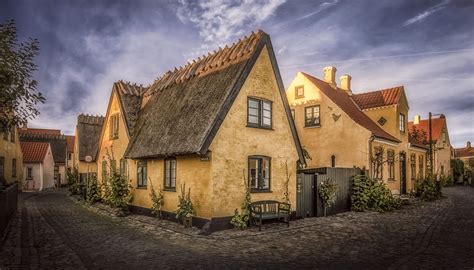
<point x="185" y="210"/>
<point x="327" y="192"/>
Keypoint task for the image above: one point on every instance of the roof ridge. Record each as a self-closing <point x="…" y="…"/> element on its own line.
<point x="380" y="90"/>
<point x="90" y="119"/>
<point x="129" y="88"/>
<point x="204" y="64"/>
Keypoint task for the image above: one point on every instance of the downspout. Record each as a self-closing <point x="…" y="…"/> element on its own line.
<point x="371" y="139"/>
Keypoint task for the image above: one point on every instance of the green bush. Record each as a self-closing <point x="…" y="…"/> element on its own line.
<point x="93" y="191"/>
<point x="73" y="182"/>
<point x="185" y="206"/>
<point x="372" y="194"/>
<point x="157" y="201"/>
<point x="242" y="220"/>
<point x="428" y="189"/>
<point x="446" y="180"/>
<point x="327" y="192"/>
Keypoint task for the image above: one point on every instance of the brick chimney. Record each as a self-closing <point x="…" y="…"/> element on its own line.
<point x="468" y="145"/>
<point x="346" y="83"/>
<point x="330" y="75"/>
<point x="416" y="121"/>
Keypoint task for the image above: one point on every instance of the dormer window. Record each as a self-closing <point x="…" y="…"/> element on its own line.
<point x="259" y="113"/>
<point x="402" y="122"/>
<point x="299" y="91"/>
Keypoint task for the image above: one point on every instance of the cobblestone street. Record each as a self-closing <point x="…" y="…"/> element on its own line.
<point x="51" y="230"/>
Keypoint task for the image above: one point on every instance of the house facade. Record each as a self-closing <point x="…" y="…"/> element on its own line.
<point x="466" y="154"/>
<point x="122" y="113"/>
<point x="217" y="124"/>
<point x="86" y="144"/>
<point x="441" y="145"/>
<point x="11" y="158"/>
<point x="70" y="152"/>
<point x="338" y="131"/>
<point x="58" y="146"/>
<point x="38" y="166"/>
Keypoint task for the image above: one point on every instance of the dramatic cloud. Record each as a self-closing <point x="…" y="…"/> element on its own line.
<point x="427" y="46"/>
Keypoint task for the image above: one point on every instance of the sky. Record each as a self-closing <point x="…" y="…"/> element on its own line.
<point x="85" y="46"/>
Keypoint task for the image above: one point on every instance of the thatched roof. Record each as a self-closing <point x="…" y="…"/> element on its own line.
<point x="130" y="97"/>
<point x="183" y="110"/>
<point x="57" y="141"/>
<point x="89" y="128"/>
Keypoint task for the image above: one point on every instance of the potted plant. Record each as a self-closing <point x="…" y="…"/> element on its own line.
<point x="185" y="210"/>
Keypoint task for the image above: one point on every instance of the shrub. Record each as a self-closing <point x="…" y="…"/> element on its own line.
<point x="372" y="194"/>
<point x="185" y="206"/>
<point x="241" y="220"/>
<point x="327" y="192"/>
<point x="93" y="191"/>
<point x="428" y="189"/>
<point x="446" y="180"/>
<point x="73" y="181"/>
<point x="157" y="201"/>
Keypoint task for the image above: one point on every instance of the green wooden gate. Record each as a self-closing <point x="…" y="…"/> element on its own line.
<point x="305" y="204"/>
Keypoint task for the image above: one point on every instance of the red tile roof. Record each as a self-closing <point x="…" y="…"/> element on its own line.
<point x="34" y="151"/>
<point x="40" y="131"/>
<point x="437" y="125"/>
<point x="467" y="151"/>
<point x="344" y="101"/>
<point x="378" y="98"/>
<point x="70" y="143"/>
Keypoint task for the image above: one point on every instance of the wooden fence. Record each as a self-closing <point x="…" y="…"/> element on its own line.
<point x="8" y="205"/>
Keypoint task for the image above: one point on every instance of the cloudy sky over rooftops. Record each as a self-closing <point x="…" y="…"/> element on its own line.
<point x="427" y="46"/>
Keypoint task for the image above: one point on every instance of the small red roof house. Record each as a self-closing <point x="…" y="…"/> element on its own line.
<point x="466" y="154"/>
<point x="38" y="165"/>
<point x="442" y="153"/>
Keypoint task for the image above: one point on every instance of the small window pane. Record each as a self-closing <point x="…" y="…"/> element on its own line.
<point x="267" y="122"/>
<point x="253" y="103"/>
<point x="267" y="106"/>
<point x="253" y="112"/>
<point x="253" y="119"/>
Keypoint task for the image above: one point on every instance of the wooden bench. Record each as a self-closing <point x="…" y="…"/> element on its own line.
<point x="266" y="210"/>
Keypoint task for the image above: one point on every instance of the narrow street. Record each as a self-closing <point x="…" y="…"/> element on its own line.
<point x="50" y="230"/>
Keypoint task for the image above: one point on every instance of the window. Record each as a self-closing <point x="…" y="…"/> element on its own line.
<point x="170" y="173"/>
<point x="420" y="166"/>
<point x="104" y="171"/>
<point x="382" y="121"/>
<point x="311" y="116"/>
<point x="413" y="166"/>
<point x="293" y="114"/>
<point x="377" y="163"/>
<point x="14" y="167"/>
<point x="69" y="156"/>
<point x="299" y="91"/>
<point x="114" y="127"/>
<point x="142" y="173"/>
<point x="259" y="113"/>
<point x="259" y="173"/>
<point x="391" y="164"/>
<point x="402" y="122"/>
<point x="29" y="173"/>
<point x="12" y="134"/>
<point x="333" y="161"/>
<point x="123" y="167"/>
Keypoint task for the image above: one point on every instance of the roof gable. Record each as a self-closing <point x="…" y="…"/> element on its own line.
<point x="185" y="108"/>
<point x="34" y="152"/>
<point x="379" y="98"/>
<point x="344" y="101"/>
<point x="437" y="126"/>
<point x="88" y="132"/>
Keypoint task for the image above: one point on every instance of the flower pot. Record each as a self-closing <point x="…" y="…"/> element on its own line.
<point x="188" y="222"/>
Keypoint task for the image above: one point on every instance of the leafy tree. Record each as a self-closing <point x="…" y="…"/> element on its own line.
<point x="18" y="95"/>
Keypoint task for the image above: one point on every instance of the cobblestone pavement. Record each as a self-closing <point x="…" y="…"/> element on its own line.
<point x="51" y="230"/>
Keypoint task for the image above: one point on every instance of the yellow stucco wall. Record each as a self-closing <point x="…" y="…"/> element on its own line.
<point x="343" y="138"/>
<point x="235" y="142"/>
<point x="9" y="151"/>
<point x="442" y="154"/>
<point x="115" y="147"/>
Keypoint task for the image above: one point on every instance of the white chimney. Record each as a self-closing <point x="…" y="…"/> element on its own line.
<point x="346" y="83"/>
<point x="330" y="75"/>
<point x="416" y="120"/>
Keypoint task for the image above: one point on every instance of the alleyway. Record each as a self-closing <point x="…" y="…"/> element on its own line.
<point x="51" y="231"/>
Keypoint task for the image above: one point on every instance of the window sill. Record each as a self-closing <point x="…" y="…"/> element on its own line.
<point x="142" y="187"/>
<point x="267" y="128"/>
<point x="318" y="126"/>
<point x="391" y="180"/>
<point x="170" y="189"/>
<point x="261" y="191"/>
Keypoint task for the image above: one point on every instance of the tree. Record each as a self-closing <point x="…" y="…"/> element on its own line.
<point x="18" y="95"/>
<point x="419" y="135"/>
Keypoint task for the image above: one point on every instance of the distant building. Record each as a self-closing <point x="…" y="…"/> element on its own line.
<point x="70" y="152"/>
<point x="86" y="144"/>
<point x="11" y="157"/>
<point x="38" y="166"/>
<point x="466" y="154"/>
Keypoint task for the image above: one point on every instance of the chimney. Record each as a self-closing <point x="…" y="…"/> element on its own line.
<point x="330" y="75"/>
<point x="24" y="126"/>
<point x="416" y="121"/>
<point x="468" y="145"/>
<point x="346" y="83"/>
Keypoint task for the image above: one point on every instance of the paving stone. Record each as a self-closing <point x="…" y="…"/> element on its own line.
<point x="54" y="230"/>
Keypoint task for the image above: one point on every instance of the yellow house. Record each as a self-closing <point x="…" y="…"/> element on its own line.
<point x="217" y="124"/>
<point x="122" y="112"/>
<point x="11" y="158"/>
<point x="466" y="154"/>
<point x="441" y="147"/>
<point x="86" y="144"/>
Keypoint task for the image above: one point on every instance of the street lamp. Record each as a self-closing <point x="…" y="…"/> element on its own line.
<point x="430" y="114"/>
